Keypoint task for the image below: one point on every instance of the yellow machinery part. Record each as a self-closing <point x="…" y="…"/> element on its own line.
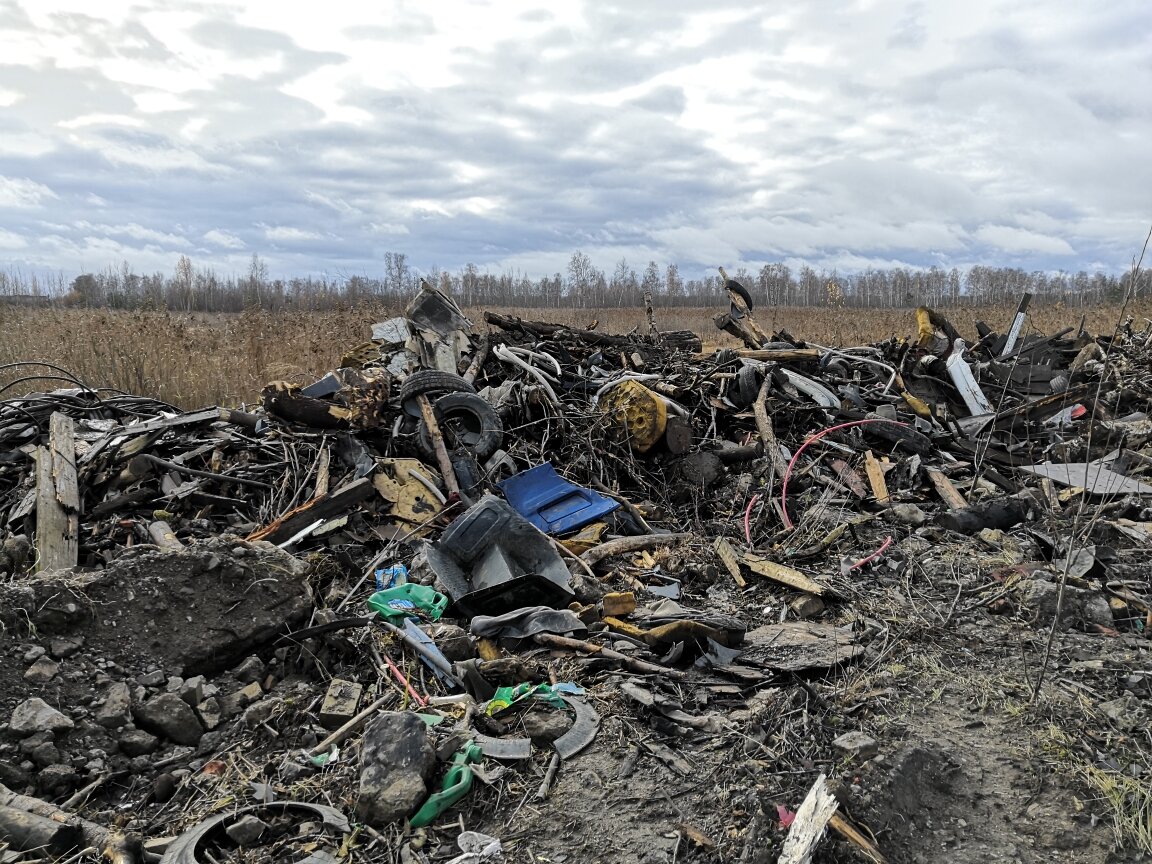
<point x="639" y="415"/>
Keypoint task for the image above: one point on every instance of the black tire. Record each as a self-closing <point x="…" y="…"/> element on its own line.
<point x="740" y="291"/>
<point x="430" y="382"/>
<point x="747" y="387"/>
<point x="468" y="422"/>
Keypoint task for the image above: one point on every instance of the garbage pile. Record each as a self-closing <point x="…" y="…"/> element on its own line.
<point x="441" y="588"/>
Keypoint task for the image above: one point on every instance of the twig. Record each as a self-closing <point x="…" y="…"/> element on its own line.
<point x="549" y="778"/>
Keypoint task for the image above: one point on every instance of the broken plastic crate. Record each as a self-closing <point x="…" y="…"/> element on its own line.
<point x="551" y="503"/>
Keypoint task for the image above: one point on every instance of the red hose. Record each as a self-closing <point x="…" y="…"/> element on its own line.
<point x="747" y="514"/>
<point x="883" y="546"/>
<point x="804" y="446"/>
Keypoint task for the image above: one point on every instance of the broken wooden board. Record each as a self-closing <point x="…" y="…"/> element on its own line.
<point x="192" y="418"/>
<point x="808" y="827"/>
<point x="57" y="498"/>
<point x="876" y="478"/>
<point x="945" y="489"/>
<point x="779" y="573"/>
<point x="730" y="560"/>
<point x="318" y="510"/>
<point x="798" y="645"/>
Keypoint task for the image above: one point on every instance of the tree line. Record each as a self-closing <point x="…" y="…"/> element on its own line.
<point x="190" y="288"/>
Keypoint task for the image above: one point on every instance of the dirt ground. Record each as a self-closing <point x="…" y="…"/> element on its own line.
<point x="968" y="768"/>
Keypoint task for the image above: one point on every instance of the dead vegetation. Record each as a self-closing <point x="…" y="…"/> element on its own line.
<point x="194" y="359"/>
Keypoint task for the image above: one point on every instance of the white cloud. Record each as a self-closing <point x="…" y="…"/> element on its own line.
<point x="11" y="241"/>
<point x="289" y="234"/>
<point x="223" y="239"/>
<point x="1021" y="240"/>
<point x="22" y="192"/>
<point x="833" y="132"/>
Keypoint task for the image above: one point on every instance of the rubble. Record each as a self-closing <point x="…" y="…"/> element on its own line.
<point x="663" y="593"/>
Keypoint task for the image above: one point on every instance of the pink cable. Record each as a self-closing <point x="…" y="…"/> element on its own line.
<point x="887" y="542"/>
<point x="421" y="701"/>
<point x="804" y="446"/>
<point x="747" y="515"/>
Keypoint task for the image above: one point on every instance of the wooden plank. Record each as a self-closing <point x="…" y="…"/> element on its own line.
<point x="782" y="355"/>
<point x="945" y="489"/>
<point x="876" y="478"/>
<point x="731" y="562"/>
<point x="779" y="573"/>
<point x="57" y="498"/>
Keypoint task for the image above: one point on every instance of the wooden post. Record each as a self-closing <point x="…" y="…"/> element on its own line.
<point x="164" y="537"/>
<point x="650" y="311"/>
<point x="442" y="457"/>
<point x="57" y="498"/>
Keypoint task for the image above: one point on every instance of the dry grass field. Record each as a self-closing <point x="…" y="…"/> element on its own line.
<point x="192" y="360"/>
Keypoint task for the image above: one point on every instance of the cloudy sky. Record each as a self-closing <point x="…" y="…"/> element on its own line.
<point x="510" y="133"/>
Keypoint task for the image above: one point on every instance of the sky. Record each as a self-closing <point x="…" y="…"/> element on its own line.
<point x="511" y="133"/>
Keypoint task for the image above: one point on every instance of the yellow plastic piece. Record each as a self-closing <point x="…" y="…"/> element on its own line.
<point x="639" y="415"/>
<point x="918" y="405"/>
<point x="925" y="330"/>
<point x="588" y="536"/>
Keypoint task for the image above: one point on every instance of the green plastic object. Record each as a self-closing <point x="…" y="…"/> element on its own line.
<point x="457" y="783"/>
<point x="408" y="601"/>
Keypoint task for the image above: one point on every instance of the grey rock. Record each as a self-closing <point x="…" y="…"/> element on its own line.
<point x="137" y="742"/>
<point x="65" y="646"/>
<point x="701" y="469"/>
<point x="174" y="683"/>
<point x="252" y="669"/>
<point x="1124" y="712"/>
<point x="57" y="780"/>
<point x="152" y="679"/>
<point x="246" y="830"/>
<point x="544" y="727"/>
<point x="170" y="716"/>
<point x="1039" y="596"/>
<point x="33" y="654"/>
<point x="210" y="713"/>
<point x="192" y="690"/>
<point x="906" y="514"/>
<point x="857" y="744"/>
<point x="116" y="708"/>
<point x="47" y="754"/>
<point x="1097" y="611"/>
<point x="36" y="715"/>
<point x="13" y="776"/>
<point x="28" y="745"/>
<point x="261" y="712"/>
<point x="396" y="762"/>
<point x="42" y="671"/>
<point x="234" y="703"/>
<point x="210" y="742"/>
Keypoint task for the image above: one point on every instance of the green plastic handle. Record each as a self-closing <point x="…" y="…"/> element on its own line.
<point x="457" y="783"/>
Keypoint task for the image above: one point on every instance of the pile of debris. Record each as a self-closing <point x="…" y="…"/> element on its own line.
<point x="532" y="558"/>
